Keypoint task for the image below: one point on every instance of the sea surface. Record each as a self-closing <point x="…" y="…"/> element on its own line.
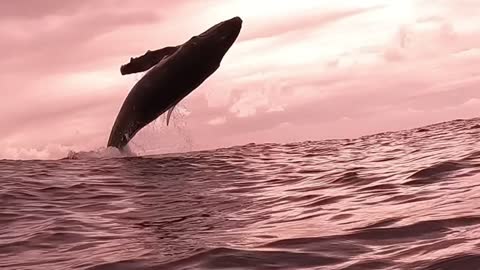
<point x="396" y="200"/>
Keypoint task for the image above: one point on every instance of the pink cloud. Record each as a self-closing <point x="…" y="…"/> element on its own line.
<point x="303" y="22"/>
<point x="53" y="50"/>
<point x="26" y="9"/>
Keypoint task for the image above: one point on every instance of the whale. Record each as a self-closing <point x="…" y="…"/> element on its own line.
<point x="172" y="74"/>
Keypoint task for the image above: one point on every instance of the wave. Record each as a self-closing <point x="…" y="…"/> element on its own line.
<point x="101" y="153"/>
<point x="179" y="139"/>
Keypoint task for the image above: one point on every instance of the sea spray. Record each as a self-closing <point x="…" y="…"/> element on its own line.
<point x="102" y="153"/>
<point x="158" y="138"/>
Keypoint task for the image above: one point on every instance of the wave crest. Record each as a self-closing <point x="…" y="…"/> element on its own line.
<point x="101" y="153"/>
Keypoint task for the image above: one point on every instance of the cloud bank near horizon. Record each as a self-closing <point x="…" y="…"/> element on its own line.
<point x="308" y="71"/>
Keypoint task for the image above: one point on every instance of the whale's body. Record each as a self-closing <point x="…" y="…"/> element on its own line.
<point x="176" y="72"/>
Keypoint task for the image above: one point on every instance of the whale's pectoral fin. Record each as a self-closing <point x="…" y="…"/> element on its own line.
<point x="169" y="113"/>
<point x="146" y="61"/>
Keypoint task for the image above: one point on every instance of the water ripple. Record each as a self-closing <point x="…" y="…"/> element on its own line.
<point x="395" y="200"/>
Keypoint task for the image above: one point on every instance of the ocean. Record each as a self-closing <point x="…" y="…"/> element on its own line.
<point x="396" y="200"/>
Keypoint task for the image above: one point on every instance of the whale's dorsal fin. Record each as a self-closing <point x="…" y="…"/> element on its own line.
<point x="169" y="113"/>
<point x="146" y="61"/>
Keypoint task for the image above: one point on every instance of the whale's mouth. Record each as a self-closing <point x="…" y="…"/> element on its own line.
<point x="235" y="20"/>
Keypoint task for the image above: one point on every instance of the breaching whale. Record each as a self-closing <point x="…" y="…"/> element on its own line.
<point x="175" y="72"/>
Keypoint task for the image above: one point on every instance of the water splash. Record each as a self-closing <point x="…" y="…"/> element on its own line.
<point x="102" y="153"/>
<point x="158" y="138"/>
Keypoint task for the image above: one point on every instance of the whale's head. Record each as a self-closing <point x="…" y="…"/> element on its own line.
<point x="213" y="44"/>
<point x="222" y="34"/>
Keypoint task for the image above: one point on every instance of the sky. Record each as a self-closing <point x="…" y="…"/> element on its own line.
<point x="300" y="70"/>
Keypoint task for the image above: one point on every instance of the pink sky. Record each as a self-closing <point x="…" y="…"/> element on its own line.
<point x="300" y="70"/>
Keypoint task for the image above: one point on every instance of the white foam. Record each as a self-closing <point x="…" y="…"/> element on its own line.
<point x="102" y="153"/>
<point x="158" y="138"/>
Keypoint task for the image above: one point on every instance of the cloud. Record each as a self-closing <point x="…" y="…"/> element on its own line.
<point x="217" y="121"/>
<point x="28" y="9"/>
<point x="303" y="22"/>
<point x="66" y="46"/>
<point x="418" y="42"/>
